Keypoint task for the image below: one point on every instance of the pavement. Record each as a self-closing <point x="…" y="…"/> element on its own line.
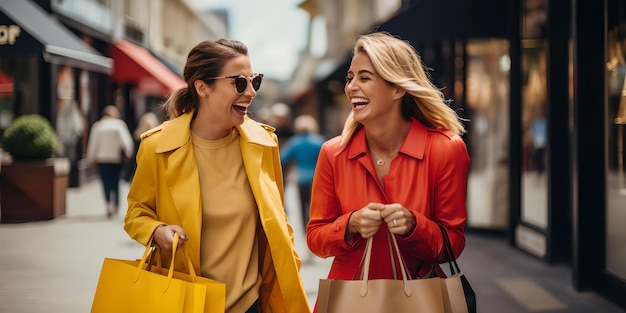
<point x="53" y="266"/>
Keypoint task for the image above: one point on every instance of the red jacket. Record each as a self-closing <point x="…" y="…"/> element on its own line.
<point x="428" y="177"/>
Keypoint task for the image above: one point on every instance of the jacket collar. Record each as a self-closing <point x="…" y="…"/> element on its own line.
<point x="177" y="132"/>
<point x="414" y="144"/>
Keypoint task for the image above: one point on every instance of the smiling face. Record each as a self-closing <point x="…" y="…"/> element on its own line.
<point x="370" y="95"/>
<point x="221" y="107"/>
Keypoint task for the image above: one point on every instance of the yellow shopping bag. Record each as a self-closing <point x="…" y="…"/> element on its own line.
<point x="127" y="286"/>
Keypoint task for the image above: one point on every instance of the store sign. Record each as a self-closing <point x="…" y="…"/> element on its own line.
<point x="8" y="34"/>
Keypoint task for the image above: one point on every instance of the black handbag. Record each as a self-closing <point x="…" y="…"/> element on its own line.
<point x="456" y="285"/>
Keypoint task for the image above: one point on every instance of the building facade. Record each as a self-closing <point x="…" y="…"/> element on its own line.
<point x="68" y="59"/>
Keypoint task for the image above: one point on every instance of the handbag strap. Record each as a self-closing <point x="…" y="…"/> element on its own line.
<point x="366" y="265"/>
<point x="448" y="252"/>
<point x="448" y="257"/>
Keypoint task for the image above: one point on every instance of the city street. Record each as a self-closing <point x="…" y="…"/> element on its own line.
<point x="535" y="89"/>
<point x="53" y="266"/>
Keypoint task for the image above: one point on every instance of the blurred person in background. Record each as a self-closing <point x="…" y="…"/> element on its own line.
<point x="300" y="154"/>
<point x="280" y="118"/>
<point x="398" y="167"/>
<point x="147" y="121"/>
<point x="213" y="175"/>
<point x="110" y="145"/>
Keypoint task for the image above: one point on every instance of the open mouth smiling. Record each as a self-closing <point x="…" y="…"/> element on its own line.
<point x="240" y="108"/>
<point x="358" y="103"/>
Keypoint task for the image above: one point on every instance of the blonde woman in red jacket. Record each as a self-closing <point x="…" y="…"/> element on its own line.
<point x="399" y="166"/>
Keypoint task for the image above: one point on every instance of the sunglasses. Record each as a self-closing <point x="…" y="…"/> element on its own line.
<point x="241" y="83"/>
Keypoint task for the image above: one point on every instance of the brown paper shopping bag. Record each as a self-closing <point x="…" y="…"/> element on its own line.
<point x="380" y="295"/>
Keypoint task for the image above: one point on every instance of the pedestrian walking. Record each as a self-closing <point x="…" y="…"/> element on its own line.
<point x="213" y="175"/>
<point x="147" y="121"/>
<point x="399" y="167"/>
<point x="110" y="145"/>
<point x="300" y="155"/>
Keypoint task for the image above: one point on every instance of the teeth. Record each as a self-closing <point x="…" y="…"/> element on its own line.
<point x="359" y="100"/>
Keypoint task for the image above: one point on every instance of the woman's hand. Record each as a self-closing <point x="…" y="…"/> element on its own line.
<point x="164" y="236"/>
<point x="365" y="221"/>
<point x="400" y="221"/>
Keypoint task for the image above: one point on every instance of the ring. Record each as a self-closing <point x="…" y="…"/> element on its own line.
<point x="395" y="223"/>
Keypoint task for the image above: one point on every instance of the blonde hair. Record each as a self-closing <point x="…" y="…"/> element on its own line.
<point x="305" y="124"/>
<point x="397" y="62"/>
<point x="111" y="111"/>
<point x="147" y="121"/>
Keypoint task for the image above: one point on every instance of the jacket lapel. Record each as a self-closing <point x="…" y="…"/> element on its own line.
<point x="254" y="139"/>
<point x="182" y="178"/>
<point x="181" y="174"/>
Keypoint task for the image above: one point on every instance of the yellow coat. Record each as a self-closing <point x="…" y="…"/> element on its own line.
<point x="166" y="189"/>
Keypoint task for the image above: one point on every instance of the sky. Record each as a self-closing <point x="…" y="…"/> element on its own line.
<point x="274" y="30"/>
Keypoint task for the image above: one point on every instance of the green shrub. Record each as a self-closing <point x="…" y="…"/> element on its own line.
<point x="30" y="137"/>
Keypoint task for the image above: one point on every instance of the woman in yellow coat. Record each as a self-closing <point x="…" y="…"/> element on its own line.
<point x="213" y="175"/>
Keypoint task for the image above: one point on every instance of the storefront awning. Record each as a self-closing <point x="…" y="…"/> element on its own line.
<point x="6" y="85"/>
<point x="134" y="64"/>
<point x="434" y="21"/>
<point x="60" y="45"/>
<point x="450" y="19"/>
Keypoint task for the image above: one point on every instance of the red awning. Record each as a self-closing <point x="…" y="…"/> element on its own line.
<point x="134" y="64"/>
<point x="6" y="85"/>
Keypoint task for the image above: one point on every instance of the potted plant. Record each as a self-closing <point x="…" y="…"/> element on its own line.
<point x="33" y="183"/>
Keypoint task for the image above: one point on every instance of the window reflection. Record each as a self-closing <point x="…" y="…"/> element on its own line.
<point x="615" y="177"/>
<point x="534" y="206"/>
<point x="487" y="99"/>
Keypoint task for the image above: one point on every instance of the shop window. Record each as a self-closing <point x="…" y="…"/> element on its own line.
<point x="534" y="206"/>
<point x="487" y="102"/>
<point x="533" y="220"/>
<point x="616" y="140"/>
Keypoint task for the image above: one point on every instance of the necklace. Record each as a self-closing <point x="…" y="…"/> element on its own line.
<point x="379" y="162"/>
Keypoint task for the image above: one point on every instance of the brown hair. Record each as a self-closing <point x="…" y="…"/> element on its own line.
<point x="204" y="61"/>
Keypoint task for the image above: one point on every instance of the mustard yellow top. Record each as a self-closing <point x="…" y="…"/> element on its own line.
<point x="165" y="190"/>
<point x="229" y="246"/>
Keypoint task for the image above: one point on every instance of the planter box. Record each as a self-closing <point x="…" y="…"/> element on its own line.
<point x="33" y="190"/>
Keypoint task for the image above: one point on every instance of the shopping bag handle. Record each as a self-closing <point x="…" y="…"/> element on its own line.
<point x="366" y="266"/>
<point x="190" y="269"/>
<point x="393" y="261"/>
<point x="156" y="255"/>
<point x="170" y="272"/>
